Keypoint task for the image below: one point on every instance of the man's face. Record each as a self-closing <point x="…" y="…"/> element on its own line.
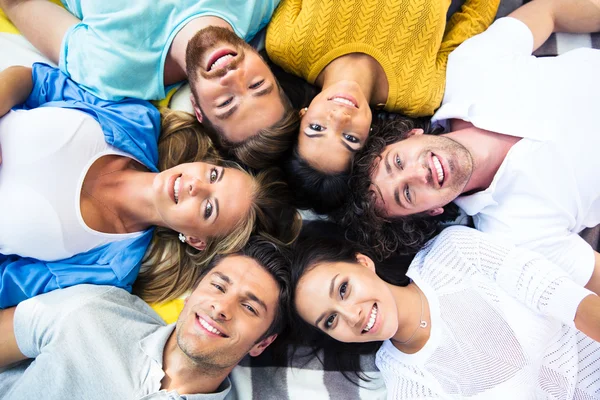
<point x="228" y="312"/>
<point x="420" y="174"/>
<point x="235" y="89"/>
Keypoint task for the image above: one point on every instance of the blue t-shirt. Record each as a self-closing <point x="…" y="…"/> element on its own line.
<point x="132" y="126"/>
<point x="119" y="48"/>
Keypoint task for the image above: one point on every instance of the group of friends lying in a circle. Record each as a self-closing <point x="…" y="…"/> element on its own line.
<point x="386" y="116"/>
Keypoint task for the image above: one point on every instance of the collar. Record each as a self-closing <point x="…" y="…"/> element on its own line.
<point x="153" y="346"/>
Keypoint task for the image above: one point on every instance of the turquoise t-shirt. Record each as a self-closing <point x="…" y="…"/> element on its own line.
<point x="119" y="48"/>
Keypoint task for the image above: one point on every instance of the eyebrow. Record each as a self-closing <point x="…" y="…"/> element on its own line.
<point x="223" y="277"/>
<point x="216" y="209"/>
<point x="228" y="113"/>
<point x="263" y="92"/>
<point x="386" y="161"/>
<point x="221" y="176"/>
<point x="331" y="286"/>
<point x="253" y="297"/>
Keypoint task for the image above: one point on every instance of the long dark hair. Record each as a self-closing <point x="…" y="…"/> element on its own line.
<point x="321" y="242"/>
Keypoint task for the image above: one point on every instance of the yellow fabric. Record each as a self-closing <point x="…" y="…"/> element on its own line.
<point x="409" y="38"/>
<point x="170" y="310"/>
<point x="7" y="27"/>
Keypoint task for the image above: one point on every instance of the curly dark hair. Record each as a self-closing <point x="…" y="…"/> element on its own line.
<point x="386" y="236"/>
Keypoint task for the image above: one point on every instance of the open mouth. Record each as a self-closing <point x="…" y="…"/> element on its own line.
<point x="209" y="327"/>
<point x="372" y="319"/>
<point x="439" y="170"/>
<point x="220" y="59"/>
<point x="176" y="189"/>
<point x="345" y="100"/>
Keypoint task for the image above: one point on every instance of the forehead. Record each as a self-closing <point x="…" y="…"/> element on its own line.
<point x="246" y="274"/>
<point x="234" y="194"/>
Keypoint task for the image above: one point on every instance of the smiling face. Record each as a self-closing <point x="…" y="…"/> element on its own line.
<point x="420" y="174"/>
<point x="335" y="126"/>
<point x="228" y="312"/>
<point x="233" y="86"/>
<point x="202" y="200"/>
<point x="347" y="301"/>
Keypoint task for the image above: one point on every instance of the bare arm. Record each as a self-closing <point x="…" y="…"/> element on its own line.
<point x="587" y="318"/>
<point x="42" y="22"/>
<point x="546" y="16"/>
<point x="9" y="351"/>
<point x="594" y="282"/>
<point x="15" y="86"/>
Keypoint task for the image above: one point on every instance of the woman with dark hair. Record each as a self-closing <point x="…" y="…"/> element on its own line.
<point x="80" y="193"/>
<point x="479" y="319"/>
<point x="366" y="53"/>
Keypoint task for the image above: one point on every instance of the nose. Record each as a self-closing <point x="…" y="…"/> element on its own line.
<point x="339" y="118"/>
<point x="197" y="187"/>
<point x="221" y="308"/>
<point x="352" y="314"/>
<point x="233" y="77"/>
<point x="417" y="174"/>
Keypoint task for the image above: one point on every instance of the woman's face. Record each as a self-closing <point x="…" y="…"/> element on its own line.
<point x="202" y="200"/>
<point x="335" y="126"/>
<point x="348" y="301"/>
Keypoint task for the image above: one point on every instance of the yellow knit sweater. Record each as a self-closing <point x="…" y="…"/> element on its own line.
<point x="409" y="38"/>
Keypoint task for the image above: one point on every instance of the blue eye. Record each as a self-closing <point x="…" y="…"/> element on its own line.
<point x="316" y="127"/>
<point x="398" y="162"/>
<point x="351" y="138"/>
<point x="219" y="287"/>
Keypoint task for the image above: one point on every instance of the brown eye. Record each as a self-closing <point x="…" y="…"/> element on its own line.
<point x="214" y="174"/>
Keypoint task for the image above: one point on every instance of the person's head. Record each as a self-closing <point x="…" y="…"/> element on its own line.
<point x="312" y="188"/>
<point x="237" y="98"/>
<point x="334" y="127"/>
<point x="364" y="213"/>
<point x="217" y="207"/>
<point x="237" y="307"/>
<point x="338" y="292"/>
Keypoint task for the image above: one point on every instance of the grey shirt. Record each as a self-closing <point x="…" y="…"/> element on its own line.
<point x="90" y="342"/>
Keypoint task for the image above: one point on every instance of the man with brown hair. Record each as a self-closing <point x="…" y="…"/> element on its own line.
<point x="140" y="48"/>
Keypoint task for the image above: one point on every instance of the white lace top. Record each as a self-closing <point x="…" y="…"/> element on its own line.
<point x="501" y="327"/>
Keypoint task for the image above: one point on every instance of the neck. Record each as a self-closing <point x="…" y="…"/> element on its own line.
<point x="413" y="308"/>
<point x="175" y="67"/>
<point x="185" y="375"/>
<point x="360" y="68"/>
<point x="488" y="149"/>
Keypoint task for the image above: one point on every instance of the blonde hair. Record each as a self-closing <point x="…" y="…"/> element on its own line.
<point x="170" y="267"/>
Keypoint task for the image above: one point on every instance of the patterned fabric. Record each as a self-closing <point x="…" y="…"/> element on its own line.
<point x="410" y="39"/>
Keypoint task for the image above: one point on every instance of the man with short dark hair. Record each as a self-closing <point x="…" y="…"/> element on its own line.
<point x="521" y="152"/>
<point x="101" y="342"/>
<point x="139" y="48"/>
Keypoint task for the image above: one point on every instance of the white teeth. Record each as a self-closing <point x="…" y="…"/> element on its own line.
<point x="343" y="101"/>
<point x="220" y="61"/>
<point x="372" y="319"/>
<point x="439" y="169"/>
<point x="176" y="189"/>
<point x="209" y="328"/>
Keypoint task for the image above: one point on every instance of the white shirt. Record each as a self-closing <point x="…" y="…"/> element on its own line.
<point x="548" y="187"/>
<point x="501" y="326"/>
<point x="46" y="153"/>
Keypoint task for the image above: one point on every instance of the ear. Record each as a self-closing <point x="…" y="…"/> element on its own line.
<point x="413" y="132"/>
<point x="435" y="211"/>
<point x="365" y="261"/>
<point x="259" y="347"/>
<point x="196" y="243"/>
<point x="197" y="110"/>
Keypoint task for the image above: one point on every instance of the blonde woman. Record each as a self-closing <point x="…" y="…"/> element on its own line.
<point x="80" y="193"/>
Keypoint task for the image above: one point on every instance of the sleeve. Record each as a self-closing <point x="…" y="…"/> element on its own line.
<point x="115" y="264"/>
<point x="474" y="17"/>
<point x="38" y="320"/>
<point x="131" y="125"/>
<point x="527" y="276"/>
